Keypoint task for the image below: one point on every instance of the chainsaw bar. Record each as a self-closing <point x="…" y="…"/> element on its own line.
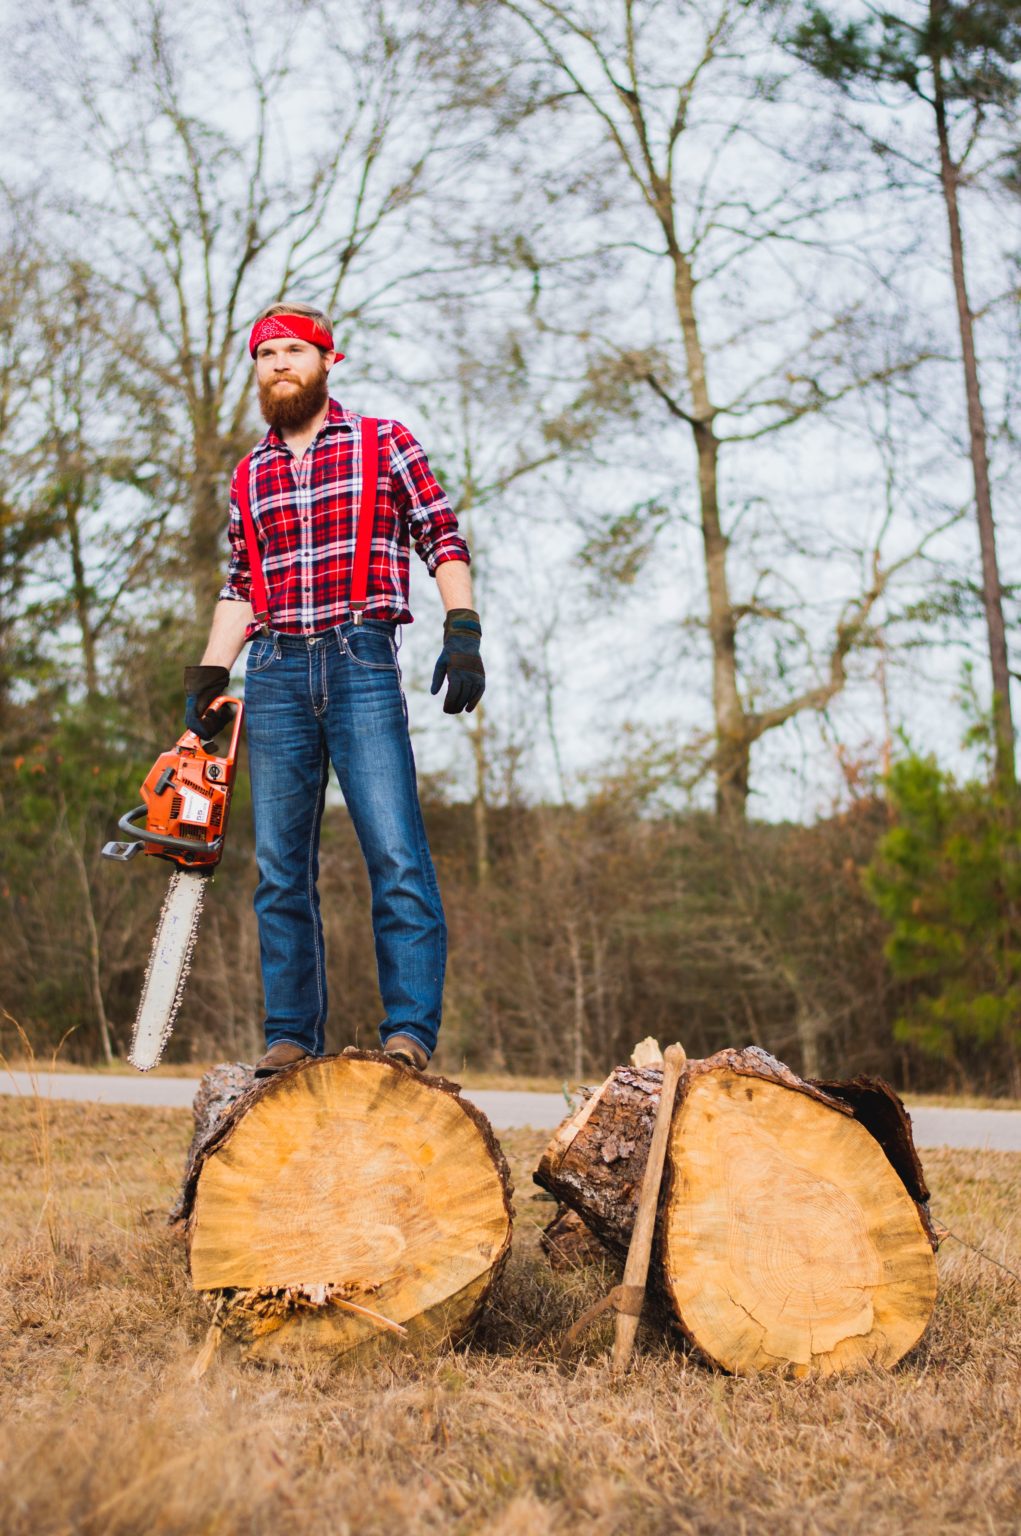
<point x="167" y="971"/>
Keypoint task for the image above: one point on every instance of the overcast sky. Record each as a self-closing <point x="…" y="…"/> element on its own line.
<point x="620" y="666"/>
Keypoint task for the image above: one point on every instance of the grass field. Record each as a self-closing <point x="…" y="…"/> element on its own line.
<point x="106" y="1433"/>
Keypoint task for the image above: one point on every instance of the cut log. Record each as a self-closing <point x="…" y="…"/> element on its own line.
<point x="342" y="1202"/>
<point x="793" y="1226"/>
<point x="647" y="1054"/>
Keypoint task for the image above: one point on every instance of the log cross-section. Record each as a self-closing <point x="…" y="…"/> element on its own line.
<point x="793" y="1227"/>
<point x="345" y="1183"/>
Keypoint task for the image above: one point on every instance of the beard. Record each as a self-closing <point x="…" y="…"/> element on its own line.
<point x="287" y="410"/>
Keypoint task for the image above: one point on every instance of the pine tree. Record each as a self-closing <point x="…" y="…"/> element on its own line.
<point x="947" y="877"/>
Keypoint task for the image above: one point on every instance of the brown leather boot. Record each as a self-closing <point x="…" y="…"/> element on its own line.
<point x="407" y="1050"/>
<point x="284" y="1054"/>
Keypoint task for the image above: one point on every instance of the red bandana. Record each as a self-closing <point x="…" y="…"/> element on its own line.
<point x="295" y="328"/>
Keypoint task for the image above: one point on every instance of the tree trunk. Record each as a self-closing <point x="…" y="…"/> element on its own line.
<point x="733" y="738"/>
<point x="81" y="594"/>
<point x="95" y="975"/>
<point x="480" y="804"/>
<point x="207" y="537"/>
<point x="578" y="1000"/>
<point x="340" y="1202"/>
<point x="809" y="1028"/>
<point x="793" y="1228"/>
<point x="992" y="595"/>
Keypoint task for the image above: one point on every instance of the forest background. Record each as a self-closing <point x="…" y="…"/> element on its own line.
<point x="707" y="317"/>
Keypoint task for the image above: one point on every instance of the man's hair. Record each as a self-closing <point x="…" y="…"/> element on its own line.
<point x="296" y="307"/>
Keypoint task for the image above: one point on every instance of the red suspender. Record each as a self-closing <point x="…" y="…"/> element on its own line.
<point x="366" y="516"/>
<point x="363" y="537"/>
<point x="260" y="603"/>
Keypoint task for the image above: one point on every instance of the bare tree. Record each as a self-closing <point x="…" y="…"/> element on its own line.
<point x="220" y="158"/>
<point x="495" y="438"/>
<point x="960" y="62"/>
<point x="664" y="115"/>
<point x="85" y="454"/>
<point x="25" y="521"/>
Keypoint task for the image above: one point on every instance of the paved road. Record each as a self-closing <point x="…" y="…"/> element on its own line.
<point x="543" y="1111"/>
<point x="991" y="1130"/>
<point x="997" y="1130"/>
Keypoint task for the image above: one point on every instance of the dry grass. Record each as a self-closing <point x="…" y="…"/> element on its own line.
<point x="106" y="1434"/>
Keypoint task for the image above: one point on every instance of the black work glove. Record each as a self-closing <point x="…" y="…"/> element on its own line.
<point x="202" y="685"/>
<point x="460" y="663"/>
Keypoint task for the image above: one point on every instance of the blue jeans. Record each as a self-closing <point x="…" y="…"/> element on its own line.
<point x="336" y="697"/>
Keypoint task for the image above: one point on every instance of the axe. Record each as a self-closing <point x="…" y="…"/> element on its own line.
<point x="628" y="1298"/>
<point x="636" y="1269"/>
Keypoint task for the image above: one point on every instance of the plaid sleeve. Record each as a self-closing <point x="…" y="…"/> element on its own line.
<point x="423" y="503"/>
<point x="238" y="586"/>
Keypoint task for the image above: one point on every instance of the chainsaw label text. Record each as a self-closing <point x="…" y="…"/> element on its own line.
<point x="195" y="809"/>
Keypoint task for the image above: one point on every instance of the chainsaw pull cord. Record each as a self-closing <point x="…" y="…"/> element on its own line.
<point x="363" y="538"/>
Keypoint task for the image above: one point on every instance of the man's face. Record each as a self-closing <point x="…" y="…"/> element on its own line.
<point x="291" y="376"/>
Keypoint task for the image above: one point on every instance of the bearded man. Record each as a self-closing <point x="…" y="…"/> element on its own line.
<point x="322" y="682"/>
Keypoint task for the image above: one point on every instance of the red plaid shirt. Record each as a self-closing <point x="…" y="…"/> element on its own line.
<point x="305" y="518"/>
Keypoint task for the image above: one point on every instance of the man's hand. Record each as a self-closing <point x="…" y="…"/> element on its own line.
<point x="460" y="663"/>
<point x="202" y="685"/>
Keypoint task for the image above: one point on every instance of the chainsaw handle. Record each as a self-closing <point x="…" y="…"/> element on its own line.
<point x="239" y="715"/>
<point x="208" y="744"/>
<point x="162" y="839"/>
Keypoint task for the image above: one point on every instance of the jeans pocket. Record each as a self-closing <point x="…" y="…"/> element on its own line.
<point x="263" y="652"/>
<point x="372" y="648"/>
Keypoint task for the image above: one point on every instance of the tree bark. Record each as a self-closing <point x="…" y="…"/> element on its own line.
<point x="793" y="1228"/>
<point x="992" y="593"/>
<point x="342" y="1202"/>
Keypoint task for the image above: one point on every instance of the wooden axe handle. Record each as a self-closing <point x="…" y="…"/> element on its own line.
<point x="636" y="1269"/>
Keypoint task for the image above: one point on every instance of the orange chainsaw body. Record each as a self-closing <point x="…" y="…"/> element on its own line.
<point x="186" y="800"/>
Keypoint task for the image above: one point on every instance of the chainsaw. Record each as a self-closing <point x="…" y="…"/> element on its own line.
<point x="185" y="801"/>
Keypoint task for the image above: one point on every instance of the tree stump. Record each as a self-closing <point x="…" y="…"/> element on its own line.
<point x="793" y="1228"/>
<point x="341" y="1202"/>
